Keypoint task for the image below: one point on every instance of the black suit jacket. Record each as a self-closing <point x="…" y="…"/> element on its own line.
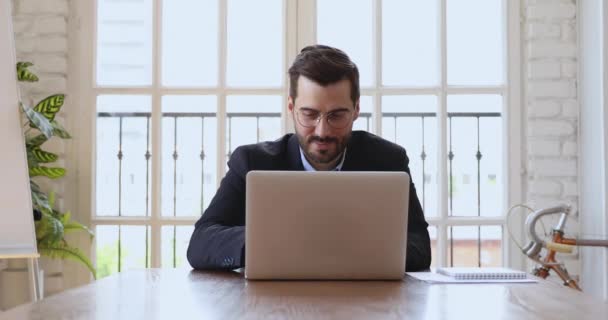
<point x="218" y="240"/>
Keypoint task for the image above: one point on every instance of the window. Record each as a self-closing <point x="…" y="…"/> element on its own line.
<point x="179" y="84"/>
<point x="435" y="74"/>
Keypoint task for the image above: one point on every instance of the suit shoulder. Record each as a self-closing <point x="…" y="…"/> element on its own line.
<point x="266" y="149"/>
<point x="376" y="144"/>
<point x="263" y="155"/>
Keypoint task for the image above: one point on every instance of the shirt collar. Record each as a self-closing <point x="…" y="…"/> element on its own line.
<point x="309" y="167"/>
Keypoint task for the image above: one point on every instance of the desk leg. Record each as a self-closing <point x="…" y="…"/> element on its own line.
<point x="39" y="280"/>
<point x="32" y="267"/>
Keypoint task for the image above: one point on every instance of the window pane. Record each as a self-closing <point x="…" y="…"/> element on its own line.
<point x="410" y="44"/>
<point x="472" y="246"/>
<point x="366" y="108"/>
<point x="120" y="248"/>
<point x="475" y="173"/>
<point x="190" y="61"/>
<point x="252" y="119"/>
<point x="133" y="244"/>
<point x="175" y="240"/>
<point x="106" y="239"/>
<point x="347" y="25"/>
<point x="189" y="156"/>
<point x="255" y="43"/>
<point x="475" y="36"/>
<point x="123" y="171"/>
<point x="124" y="43"/>
<point x="410" y="121"/>
<point x="491" y="246"/>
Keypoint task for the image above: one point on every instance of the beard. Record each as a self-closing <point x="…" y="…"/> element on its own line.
<point x="336" y="145"/>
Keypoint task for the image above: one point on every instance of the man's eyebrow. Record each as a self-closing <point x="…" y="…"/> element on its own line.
<point x="308" y="109"/>
<point x="340" y="109"/>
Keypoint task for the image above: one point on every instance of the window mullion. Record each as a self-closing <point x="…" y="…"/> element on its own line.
<point x="467" y="221"/>
<point x="306" y="23"/>
<point x="143" y="221"/>
<point x="512" y="110"/>
<point x="302" y="21"/>
<point x="442" y="242"/>
<point x="290" y="50"/>
<point x="156" y="137"/>
<point x="377" y="96"/>
<point x="221" y="107"/>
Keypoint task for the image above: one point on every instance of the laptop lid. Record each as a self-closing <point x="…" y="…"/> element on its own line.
<point x="326" y="225"/>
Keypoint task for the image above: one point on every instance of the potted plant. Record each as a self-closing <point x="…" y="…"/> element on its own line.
<point x="39" y="125"/>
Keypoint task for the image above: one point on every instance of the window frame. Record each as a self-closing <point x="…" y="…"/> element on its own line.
<point x="300" y="30"/>
<point x="511" y="117"/>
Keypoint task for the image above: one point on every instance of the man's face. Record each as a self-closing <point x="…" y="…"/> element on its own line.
<point x="323" y="141"/>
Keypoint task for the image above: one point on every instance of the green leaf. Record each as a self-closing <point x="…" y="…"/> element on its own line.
<point x="75" y="226"/>
<point x="36" y="141"/>
<point x="31" y="157"/>
<point x="65" y="217"/>
<point x="38" y="121"/>
<point x="64" y="251"/>
<point x="50" y="105"/>
<point x="40" y="201"/>
<point x="34" y="186"/>
<point x="57" y="215"/>
<point x="59" y="131"/>
<point x="49" y="229"/>
<point x="24" y="64"/>
<point x="52" y="173"/>
<point x="52" y="199"/>
<point x="42" y="156"/>
<point x="23" y="74"/>
<point x="69" y="225"/>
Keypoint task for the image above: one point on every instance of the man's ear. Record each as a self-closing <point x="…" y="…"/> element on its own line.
<point x="356" y="115"/>
<point x="290" y="104"/>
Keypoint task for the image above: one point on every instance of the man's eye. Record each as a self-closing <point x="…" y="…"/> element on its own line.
<point x="310" y="114"/>
<point x="337" y="115"/>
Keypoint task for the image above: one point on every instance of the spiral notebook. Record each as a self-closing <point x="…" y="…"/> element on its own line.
<point x="483" y="273"/>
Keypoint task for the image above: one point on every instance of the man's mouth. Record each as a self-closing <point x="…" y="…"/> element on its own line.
<point x="322" y="143"/>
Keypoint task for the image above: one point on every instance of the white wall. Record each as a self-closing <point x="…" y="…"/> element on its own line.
<point x="552" y="108"/>
<point x="593" y="55"/>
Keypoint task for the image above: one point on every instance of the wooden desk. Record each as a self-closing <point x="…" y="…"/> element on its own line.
<point x="184" y="294"/>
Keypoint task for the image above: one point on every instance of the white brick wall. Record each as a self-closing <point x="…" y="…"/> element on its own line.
<point x="550" y="87"/>
<point x="550" y="48"/>
<point x="544" y="69"/>
<point x="38" y="7"/>
<point x="551" y="11"/>
<point x="41" y="37"/>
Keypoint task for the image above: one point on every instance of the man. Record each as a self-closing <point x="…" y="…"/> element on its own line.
<point x="323" y="103"/>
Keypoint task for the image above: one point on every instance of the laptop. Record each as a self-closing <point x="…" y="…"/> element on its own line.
<point x="326" y="225"/>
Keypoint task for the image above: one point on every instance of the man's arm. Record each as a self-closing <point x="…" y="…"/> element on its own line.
<point x="218" y="240"/>
<point x="418" y="241"/>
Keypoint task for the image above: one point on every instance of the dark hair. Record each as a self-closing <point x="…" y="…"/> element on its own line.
<point x="324" y="65"/>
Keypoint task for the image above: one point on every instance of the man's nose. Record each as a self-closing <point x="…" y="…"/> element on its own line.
<point x="322" y="129"/>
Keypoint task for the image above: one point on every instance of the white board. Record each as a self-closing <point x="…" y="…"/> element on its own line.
<point x="17" y="234"/>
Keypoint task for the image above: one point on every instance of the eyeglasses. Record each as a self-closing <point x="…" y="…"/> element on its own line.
<point x="310" y="118"/>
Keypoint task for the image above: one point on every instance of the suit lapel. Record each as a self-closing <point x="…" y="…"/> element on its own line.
<point x="293" y="154"/>
<point x="350" y="163"/>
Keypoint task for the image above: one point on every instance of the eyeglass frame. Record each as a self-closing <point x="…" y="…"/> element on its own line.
<point x="323" y="115"/>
